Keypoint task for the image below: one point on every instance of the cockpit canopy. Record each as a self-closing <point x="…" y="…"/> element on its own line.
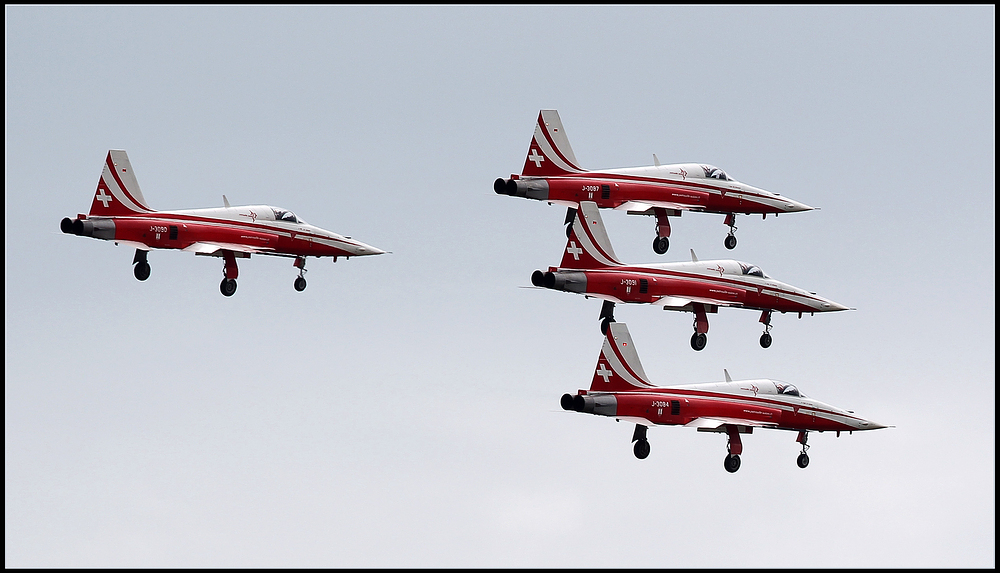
<point x="787" y="389"/>
<point x="713" y="172"/>
<point x="286" y="216"/>
<point x="753" y="270"/>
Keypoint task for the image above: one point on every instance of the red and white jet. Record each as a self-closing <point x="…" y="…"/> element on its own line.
<point x="551" y="173"/>
<point x="120" y="213"/>
<point x="621" y="390"/>
<point x="590" y="267"/>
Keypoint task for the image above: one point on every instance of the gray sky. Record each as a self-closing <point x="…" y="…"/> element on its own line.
<point x="404" y="409"/>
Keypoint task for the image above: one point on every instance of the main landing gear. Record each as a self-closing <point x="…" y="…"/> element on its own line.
<point x="734" y="447"/>
<point x="803" y="459"/>
<point x="700" y="337"/>
<point x="662" y="241"/>
<point x="765" y="339"/>
<point x="730" y="241"/>
<point x="229" y="271"/>
<point x="641" y="448"/>
<point x="141" y="270"/>
<point x="607" y="316"/>
<point x="300" y="283"/>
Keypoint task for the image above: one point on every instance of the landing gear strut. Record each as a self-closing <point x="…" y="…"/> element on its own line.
<point x="641" y="448"/>
<point x="734" y="447"/>
<point x="230" y="271"/>
<point x="700" y="337"/>
<point x="730" y="241"/>
<point x="570" y="217"/>
<point x="662" y="242"/>
<point x="300" y="283"/>
<point x="141" y="270"/>
<point x="803" y="459"/>
<point x="607" y="316"/>
<point x="765" y="339"/>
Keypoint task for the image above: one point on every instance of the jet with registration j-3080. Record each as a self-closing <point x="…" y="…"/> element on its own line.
<point x="590" y="267"/>
<point x="119" y="213"/>
<point x="551" y="173"/>
<point x="620" y="389"/>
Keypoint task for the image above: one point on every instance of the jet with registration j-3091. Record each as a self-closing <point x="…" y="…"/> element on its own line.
<point x="620" y="389"/>
<point x="590" y="267"/>
<point x="551" y="173"/>
<point x="119" y="213"/>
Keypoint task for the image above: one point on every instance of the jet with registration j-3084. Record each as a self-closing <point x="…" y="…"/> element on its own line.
<point x="620" y="389"/>
<point x="120" y="213"/>
<point x="551" y="173"/>
<point x="590" y="267"/>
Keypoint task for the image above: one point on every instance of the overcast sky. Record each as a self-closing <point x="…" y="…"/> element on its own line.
<point x="404" y="409"/>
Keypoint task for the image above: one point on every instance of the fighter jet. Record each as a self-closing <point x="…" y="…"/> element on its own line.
<point x="551" y="173"/>
<point x="590" y="267"/>
<point x="119" y="213"/>
<point x="620" y="389"/>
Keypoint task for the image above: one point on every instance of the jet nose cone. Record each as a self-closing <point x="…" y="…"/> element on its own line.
<point x="795" y="206"/>
<point x="869" y="425"/>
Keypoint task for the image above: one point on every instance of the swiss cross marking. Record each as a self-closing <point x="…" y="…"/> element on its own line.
<point x="603" y="372"/>
<point x="574" y="250"/>
<point x="103" y="197"/>
<point x="534" y="156"/>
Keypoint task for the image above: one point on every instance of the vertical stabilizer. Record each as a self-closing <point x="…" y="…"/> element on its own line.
<point x="550" y="152"/>
<point x="118" y="190"/>
<point x="589" y="246"/>
<point x="618" y="369"/>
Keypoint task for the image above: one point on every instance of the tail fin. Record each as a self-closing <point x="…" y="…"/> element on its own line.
<point x="618" y="369"/>
<point x="118" y="191"/>
<point x="589" y="246"/>
<point x="550" y="152"/>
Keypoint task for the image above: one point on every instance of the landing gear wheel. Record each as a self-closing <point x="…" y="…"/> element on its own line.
<point x="731" y="242"/>
<point x="300" y="284"/>
<point x="604" y="325"/>
<point x="228" y="287"/>
<point x="765" y="340"/>
<point x="732" y="463"/>
<point x="699" y="340"/>
<point x="141" y="271"/>
<point x="803" y="460"/>
<point x="641" y="449"/>
<point x="660" y="245"/>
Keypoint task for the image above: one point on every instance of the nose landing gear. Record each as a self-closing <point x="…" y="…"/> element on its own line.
<point x="765" y="339"/>
<point x="803" y="459"/>
<point x="300" y="282"/>
<point x="730" y="241"/>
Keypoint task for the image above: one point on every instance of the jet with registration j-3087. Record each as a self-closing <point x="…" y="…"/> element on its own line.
<point x="551" y="173"/>
<point x="620" y="389"/>
<point x="119" y="213"/>
<point x="590" y="267"/>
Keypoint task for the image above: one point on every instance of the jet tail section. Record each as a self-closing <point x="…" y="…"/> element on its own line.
<point x="550" y="152"/>
<point x="618" y="369"/>
<point x="589" y="246"/>
<point x="118" y="190"/>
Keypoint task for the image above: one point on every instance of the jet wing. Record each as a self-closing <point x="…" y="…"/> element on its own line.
<point x="207" y="247"/>
<point x="134" y="244"/>
<point x="715" y="423"/>
<point x="646" y="207"/>
<point x="682" y="301"/>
